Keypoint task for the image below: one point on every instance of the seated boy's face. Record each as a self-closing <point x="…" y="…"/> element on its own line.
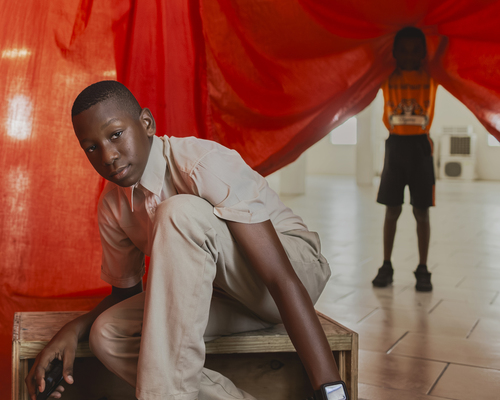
<point x="409" y="53"/>
<point x="116" y="144"/>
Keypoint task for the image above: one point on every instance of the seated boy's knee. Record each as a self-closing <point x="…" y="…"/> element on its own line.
<point x="99" y="336"/>
<point x="179" y="207"/>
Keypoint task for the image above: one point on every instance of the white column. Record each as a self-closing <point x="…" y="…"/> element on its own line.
<point x="364" y="148"/>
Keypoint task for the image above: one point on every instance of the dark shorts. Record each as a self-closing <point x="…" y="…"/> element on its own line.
<point x="408" y="161"/>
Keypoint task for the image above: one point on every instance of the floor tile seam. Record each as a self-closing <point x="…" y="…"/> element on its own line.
<point x="365" y="261"/>
<point x="404" y="391"/>
<point x="367" y="315"/>
<point x="475" y="366"/>
<point x="424" y="358"/>
<point x="484" y="317"/>
<point x="447" y="362"/>
<point x="399" y="308"/>
<point x="396" y="343"/>
<point x="472" y="329"/>
<point x="473" y="303"/>
<point x="358" y="286"/>
<point x="435" y="306"/>
<point x="344" y="296"/>
<point x="494" y="299"/>
<point x="463" y="340"/>
<point x="407" y="391"/>
<point x="405" y="287"/>
<point x="461" y="281"/>
<point x="435" y="335"/>
<point x="396" y="308"/>
<point x="437" y="379"/>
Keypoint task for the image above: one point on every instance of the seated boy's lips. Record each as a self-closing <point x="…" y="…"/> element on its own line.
<point x="120" y="172"/>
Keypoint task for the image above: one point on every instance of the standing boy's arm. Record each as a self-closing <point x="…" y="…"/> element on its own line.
<point x="63" y="344"/>
<point x="261" y="245"/>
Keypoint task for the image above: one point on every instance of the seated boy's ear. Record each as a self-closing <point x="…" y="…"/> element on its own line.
<point x="148" y="121"/>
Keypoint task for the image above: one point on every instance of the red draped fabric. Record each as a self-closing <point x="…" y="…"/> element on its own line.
<point x="267" y="77"/>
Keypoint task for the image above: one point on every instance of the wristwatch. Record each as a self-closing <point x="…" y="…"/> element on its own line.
<point x="332" y="391"/>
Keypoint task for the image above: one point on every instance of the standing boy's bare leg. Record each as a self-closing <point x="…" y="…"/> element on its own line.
<point x="423" y="233"/>
<point x="392" y="214"/>
<point x="385" y="272"/>
<point x="422" y="275"/>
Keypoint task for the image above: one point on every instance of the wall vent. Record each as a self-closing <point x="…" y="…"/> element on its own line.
<point x="460" y="145"/>
<point x="457" y="150"/>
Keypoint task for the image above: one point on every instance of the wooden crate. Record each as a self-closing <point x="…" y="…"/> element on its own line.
<point x="263" y="363"/>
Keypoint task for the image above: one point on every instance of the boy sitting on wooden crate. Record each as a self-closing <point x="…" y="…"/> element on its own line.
<point x="207" y="220"/>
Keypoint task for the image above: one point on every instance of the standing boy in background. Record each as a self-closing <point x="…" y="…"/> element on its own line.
<point x="409" y="96"/>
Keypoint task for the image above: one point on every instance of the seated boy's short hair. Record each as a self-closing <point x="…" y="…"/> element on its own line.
<point x="105" y="90"/>
<point x="409" y="32"/>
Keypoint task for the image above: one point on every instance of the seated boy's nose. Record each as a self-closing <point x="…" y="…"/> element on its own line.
<point x="109" y="157"/>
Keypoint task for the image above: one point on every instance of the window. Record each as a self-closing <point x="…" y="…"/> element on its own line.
<point x="345" y="133"/>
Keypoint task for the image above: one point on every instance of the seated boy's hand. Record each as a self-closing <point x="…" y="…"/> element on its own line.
<point x="63" y="346"/>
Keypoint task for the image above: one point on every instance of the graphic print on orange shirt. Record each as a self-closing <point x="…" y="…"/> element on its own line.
<point x="409" y="98"/>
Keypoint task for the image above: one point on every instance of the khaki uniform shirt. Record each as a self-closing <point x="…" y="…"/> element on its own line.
<point x="181" y="166"/>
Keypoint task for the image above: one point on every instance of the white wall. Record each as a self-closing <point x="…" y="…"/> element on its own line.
<point x="326" y="158"/>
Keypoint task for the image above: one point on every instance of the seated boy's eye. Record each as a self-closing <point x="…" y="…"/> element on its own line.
<point x="90" y="149"/>
<point x="116" y="135"/>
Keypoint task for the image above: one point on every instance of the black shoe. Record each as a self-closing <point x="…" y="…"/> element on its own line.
<point x="423" y="279"/>
<point x="384" y="276"/>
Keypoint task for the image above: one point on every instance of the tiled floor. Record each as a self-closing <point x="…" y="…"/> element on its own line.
<point x="414" y="346"/>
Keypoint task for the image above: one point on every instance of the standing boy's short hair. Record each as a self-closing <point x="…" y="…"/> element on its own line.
<point x="409" y="32"/>
<point x="104" y="90"/>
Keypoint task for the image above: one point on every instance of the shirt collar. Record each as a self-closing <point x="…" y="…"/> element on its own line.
<point x="154" y="173"/>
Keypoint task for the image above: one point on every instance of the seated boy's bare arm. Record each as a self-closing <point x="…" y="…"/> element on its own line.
<point x="263" y="249"/>
<point x="63" y="344"/>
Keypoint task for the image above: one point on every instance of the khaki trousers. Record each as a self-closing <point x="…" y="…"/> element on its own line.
<point x="155" y="340"/>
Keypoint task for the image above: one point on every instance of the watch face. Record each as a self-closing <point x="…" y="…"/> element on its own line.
<point x="335" y="392"/>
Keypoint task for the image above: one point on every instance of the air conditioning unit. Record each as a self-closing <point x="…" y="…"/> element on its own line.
<point x="457" y="154"/>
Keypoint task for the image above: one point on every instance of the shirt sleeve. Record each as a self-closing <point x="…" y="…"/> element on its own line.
<point x="122" y="262"/>
<point x="236" y="191"/>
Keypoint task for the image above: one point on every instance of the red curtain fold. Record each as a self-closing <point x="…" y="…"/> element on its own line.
<point x="268" y="78"/>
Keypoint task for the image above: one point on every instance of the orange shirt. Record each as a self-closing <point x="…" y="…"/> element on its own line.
<point x="409" y="98"/>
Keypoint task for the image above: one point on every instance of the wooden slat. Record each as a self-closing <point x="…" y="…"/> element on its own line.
<point x="37" y="328"/>
<point x="41" y="326"/>
<point x="17" y="326"/>
<point x="28" y="350"/>
<point x="353" y="367"/>
<point x="275" y="339"/>
<point x="15" y="369"/>
<point x="342" y="365"/>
